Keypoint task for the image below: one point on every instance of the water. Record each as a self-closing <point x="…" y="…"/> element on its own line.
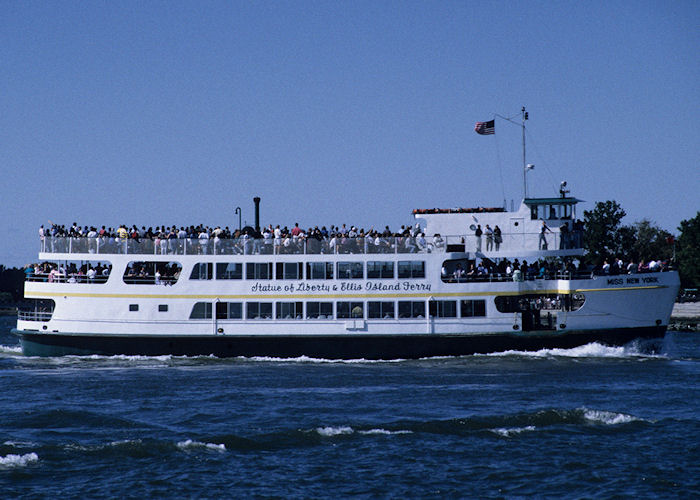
<point x="587" y="422"/>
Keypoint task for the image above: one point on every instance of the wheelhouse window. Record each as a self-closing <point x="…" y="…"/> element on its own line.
<point x="289" y="310"/>
<point x="411" y="309"/>
<point x="201" y="310"/>
<point x="258" y="270"/>
<point x="229" y="310"/>
<point x="380" y="269"/>
<point x="319" y="270"/>
<point x="152" y="273"/>
<point x="289" y="270"/>
<point x="411" y="269"/>
<point x="259" y="310"/>
<point x="319" y="310"/>
<point x="472" y="308"/>
<point x="350" y="310"/>
<point x="380" y="310"/>
<point x="443" y="308"/>
<point x="350" y="270"/>
<point x="229" y="271"/>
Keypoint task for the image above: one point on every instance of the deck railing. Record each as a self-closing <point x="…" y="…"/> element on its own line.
<point x="309" y="246"/>
<point x="34" y="315"/>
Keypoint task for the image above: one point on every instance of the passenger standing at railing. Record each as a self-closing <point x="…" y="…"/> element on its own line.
<point x="543" y="239"/>
<point x="489" y="238"/>
<point x="203" y="241"/>
<point x="438" y="242"/>
<point x="478" y="234"/>
<point x="122" y="235"/>
<point x="497" y="237"/>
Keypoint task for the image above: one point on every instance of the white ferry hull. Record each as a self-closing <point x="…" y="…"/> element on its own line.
<point x="348" y="346"/>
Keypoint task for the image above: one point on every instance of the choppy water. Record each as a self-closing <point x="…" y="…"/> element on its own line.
<point x="588" y="422"/>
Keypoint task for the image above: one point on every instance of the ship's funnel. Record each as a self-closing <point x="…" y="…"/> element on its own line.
<point x="256" y="200"/>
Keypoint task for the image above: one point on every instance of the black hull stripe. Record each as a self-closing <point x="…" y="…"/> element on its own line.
<point x="324" y="347"/>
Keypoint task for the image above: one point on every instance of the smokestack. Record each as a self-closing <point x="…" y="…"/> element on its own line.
<point x="256" y="200"/>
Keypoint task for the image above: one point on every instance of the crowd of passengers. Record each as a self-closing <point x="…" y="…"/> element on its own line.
<point x="551" y="268"/>
<point x="278" y="240"/>
<point x="71" y="272"/>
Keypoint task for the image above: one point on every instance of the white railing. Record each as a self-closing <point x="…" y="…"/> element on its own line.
<point x="310" y="246"/>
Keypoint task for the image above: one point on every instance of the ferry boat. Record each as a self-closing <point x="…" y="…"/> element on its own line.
<point x="443" y="291"/>
<point x="454" y="285"/>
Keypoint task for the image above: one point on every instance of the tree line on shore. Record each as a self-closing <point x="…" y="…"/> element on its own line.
<point x="605" y="237"/>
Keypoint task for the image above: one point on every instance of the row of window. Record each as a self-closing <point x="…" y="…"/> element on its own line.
<point x="314" y="270"/>
<point x="339" y="310"/>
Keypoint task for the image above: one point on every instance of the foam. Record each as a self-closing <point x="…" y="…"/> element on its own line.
<point x="11" y="349"/>
<point x="18" y="460"/>
<point x="510" y="431"/>
<point x="592" y="350"/>
<point x="334" y="431"/>
<point x="307" y="359"/>
<point x="608" y="417"/>
<point x="189" y="444"/>
<point x="385" y="432"/>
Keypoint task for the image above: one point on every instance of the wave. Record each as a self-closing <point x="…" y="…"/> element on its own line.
<point x="592" y="350"/>
<point x="307" y="359"/>
<point x="189" y="444"/>
<point x="514" y="426"/>
<point x="609" y="417"/>
<point x="13" y="350"/>
<point x="12" y="460"/>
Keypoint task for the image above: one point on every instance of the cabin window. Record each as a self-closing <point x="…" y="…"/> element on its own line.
<point x="162" y="307"/>
<point x="319" y="270"/>
<point x="350" y="270"/>
<point x="472" y="308"/>
<point x="319" y="310"/>
<point x="258" y="270"/>
<point x="350" y="310"/>
<point x="201" y="271"/>
<point x="411" y="269"/>
<point x="380" y="269"/>
<point x="411" y="309"/>
<point x="443" y="308"/>
<point x="70" y="271"/>
<point x="530" y="302"/>
<point x="229" y="271"/>
<point x="152" y="273"/>
<point x="289" y="270"/>
<point x="229" y="310"/>
<point x="380" y="310"/>
<point x="259" y="310"/>
<point x="133" y="307"/>
<point x="289" y="310"/>
<point x="201" y="310"/>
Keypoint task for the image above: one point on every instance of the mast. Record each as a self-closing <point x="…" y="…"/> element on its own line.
<point x="525" y="168"/>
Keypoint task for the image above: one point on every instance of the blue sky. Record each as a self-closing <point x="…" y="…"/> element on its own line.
<point x="354" y="112"/>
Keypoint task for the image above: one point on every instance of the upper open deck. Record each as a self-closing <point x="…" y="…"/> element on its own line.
<point x="510" y="244"/>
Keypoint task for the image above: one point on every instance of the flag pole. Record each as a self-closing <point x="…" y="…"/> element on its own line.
<point x="524" y="117"/>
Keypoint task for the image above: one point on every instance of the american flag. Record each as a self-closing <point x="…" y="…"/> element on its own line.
<point x="485" y="128"/>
